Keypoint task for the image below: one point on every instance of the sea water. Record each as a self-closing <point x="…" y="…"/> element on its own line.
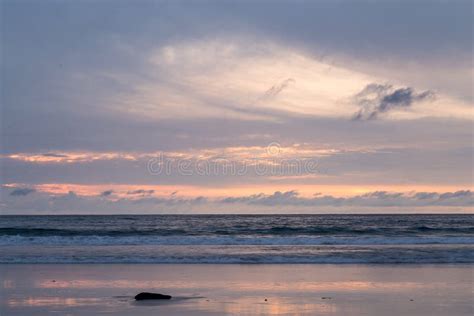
<point x="237" y="239"/>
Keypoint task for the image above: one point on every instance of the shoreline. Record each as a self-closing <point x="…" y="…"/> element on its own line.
<point x="388" y="264"/>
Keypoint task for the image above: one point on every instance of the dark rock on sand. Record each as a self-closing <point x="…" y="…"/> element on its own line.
<point x="151" y="296"/>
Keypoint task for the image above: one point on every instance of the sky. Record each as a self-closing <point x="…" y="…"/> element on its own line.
<point x="118" y="107"/>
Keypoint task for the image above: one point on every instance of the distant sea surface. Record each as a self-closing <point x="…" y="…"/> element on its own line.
<point x="237" y="239"/>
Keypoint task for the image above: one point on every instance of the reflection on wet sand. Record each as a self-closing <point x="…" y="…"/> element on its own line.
<point x="273" y="306"/>
<point x="254" y="286"/>
<point x="199" y="290"/>
<point x="256" y="297"/>
<point x="8" y="284"/>
<point x="52" y="301"/>
<point x="237" y="306"/>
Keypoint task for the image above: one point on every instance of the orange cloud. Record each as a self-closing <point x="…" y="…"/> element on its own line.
<point x="69" y="157"/>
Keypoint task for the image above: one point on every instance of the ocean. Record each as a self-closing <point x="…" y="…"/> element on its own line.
<point x="339" y="239"/>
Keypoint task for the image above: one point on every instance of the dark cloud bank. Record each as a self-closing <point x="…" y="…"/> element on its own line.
<point x="13" y="197"/>
<point x="377" y="198"/>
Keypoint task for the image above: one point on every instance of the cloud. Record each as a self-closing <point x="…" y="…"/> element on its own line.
<point x="456" y="195"/>
<point x="278" y="202"/>
<point x="277" y="198"/>
<point x="22" y="191"/>
<point x="53" y="155"/>
<point x="168" y="201"/>
<point x="371" y="199"/>
<point x="276" y="89"/>
<point x="107" y="193"/>
<point x="375" y="99"/>
<point x="208" y="75"/>
<point x="141" y="192"/>
<point x="404" y="160"/>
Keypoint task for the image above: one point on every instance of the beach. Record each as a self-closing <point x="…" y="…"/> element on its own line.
<point x="237" y="265"/>
<point x="242" y="158"/>
<point x="233" y="289"/>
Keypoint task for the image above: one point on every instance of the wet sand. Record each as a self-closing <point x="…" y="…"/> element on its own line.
<point x="208" y="289"/>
